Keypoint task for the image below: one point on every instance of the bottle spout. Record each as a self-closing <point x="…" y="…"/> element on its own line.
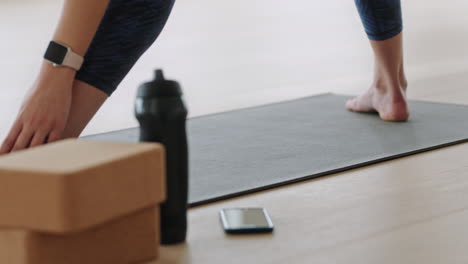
<point x="159" y="87"/>
<point x="159" y="75"/>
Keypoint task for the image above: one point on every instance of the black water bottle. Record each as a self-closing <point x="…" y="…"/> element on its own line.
<point x="162" y="115"/>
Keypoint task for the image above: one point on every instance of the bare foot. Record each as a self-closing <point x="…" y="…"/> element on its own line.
<point x="390" y="103"/>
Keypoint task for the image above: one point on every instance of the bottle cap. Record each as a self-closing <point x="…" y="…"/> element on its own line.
<point x="159" y="87"/>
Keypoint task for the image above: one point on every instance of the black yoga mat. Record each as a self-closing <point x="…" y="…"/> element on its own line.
<point x="248" y="150"/>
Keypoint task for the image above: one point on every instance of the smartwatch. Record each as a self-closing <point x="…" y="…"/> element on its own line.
<point x="62" y="56"/>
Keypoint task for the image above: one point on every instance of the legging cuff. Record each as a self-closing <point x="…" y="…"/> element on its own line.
<point x="385" y="35"/>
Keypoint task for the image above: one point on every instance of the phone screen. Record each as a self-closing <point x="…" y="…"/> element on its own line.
<point x="246" y="219"/>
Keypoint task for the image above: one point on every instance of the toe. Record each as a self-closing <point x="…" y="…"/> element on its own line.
<point x="350" y="104"/>
<point x="360" y="104"/>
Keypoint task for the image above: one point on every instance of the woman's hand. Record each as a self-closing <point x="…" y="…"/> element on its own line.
<point x="45" y="110"/>
<point x="44" y="113"/>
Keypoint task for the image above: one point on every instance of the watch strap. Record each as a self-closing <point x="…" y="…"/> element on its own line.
<point x="73" y="60"/>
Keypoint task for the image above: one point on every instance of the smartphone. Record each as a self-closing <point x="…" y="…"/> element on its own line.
<point x="246" y="220"/>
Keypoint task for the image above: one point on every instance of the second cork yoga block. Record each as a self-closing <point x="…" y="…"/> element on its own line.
<point x="72" y="185"/>
<point x="130" y="239"/>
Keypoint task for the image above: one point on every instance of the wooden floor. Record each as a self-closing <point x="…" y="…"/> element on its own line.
<point x="411" y="210"/>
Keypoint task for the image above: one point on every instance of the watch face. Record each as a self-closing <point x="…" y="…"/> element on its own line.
<point x="56" y="53"/>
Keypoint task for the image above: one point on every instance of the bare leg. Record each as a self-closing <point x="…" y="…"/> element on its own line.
<point x="86" y="101"/>
<point x="387" y="94"/>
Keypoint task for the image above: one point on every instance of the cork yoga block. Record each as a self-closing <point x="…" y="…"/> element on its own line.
<point x="73" y="185"/>
<point x="130" y="239"/>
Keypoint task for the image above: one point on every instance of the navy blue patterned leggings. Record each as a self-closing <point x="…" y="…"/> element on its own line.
<point x="130" y="27"/>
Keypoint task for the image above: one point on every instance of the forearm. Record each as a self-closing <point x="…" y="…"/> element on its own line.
<point x="44" y="114"/>
<point x="79" y="22"/>
<point x="76" y="28"/>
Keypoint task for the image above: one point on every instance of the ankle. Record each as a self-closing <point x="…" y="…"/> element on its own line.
<point x="387" y="79"/>
<point x="403" y="83"/>
<point x="387" y="85"/>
